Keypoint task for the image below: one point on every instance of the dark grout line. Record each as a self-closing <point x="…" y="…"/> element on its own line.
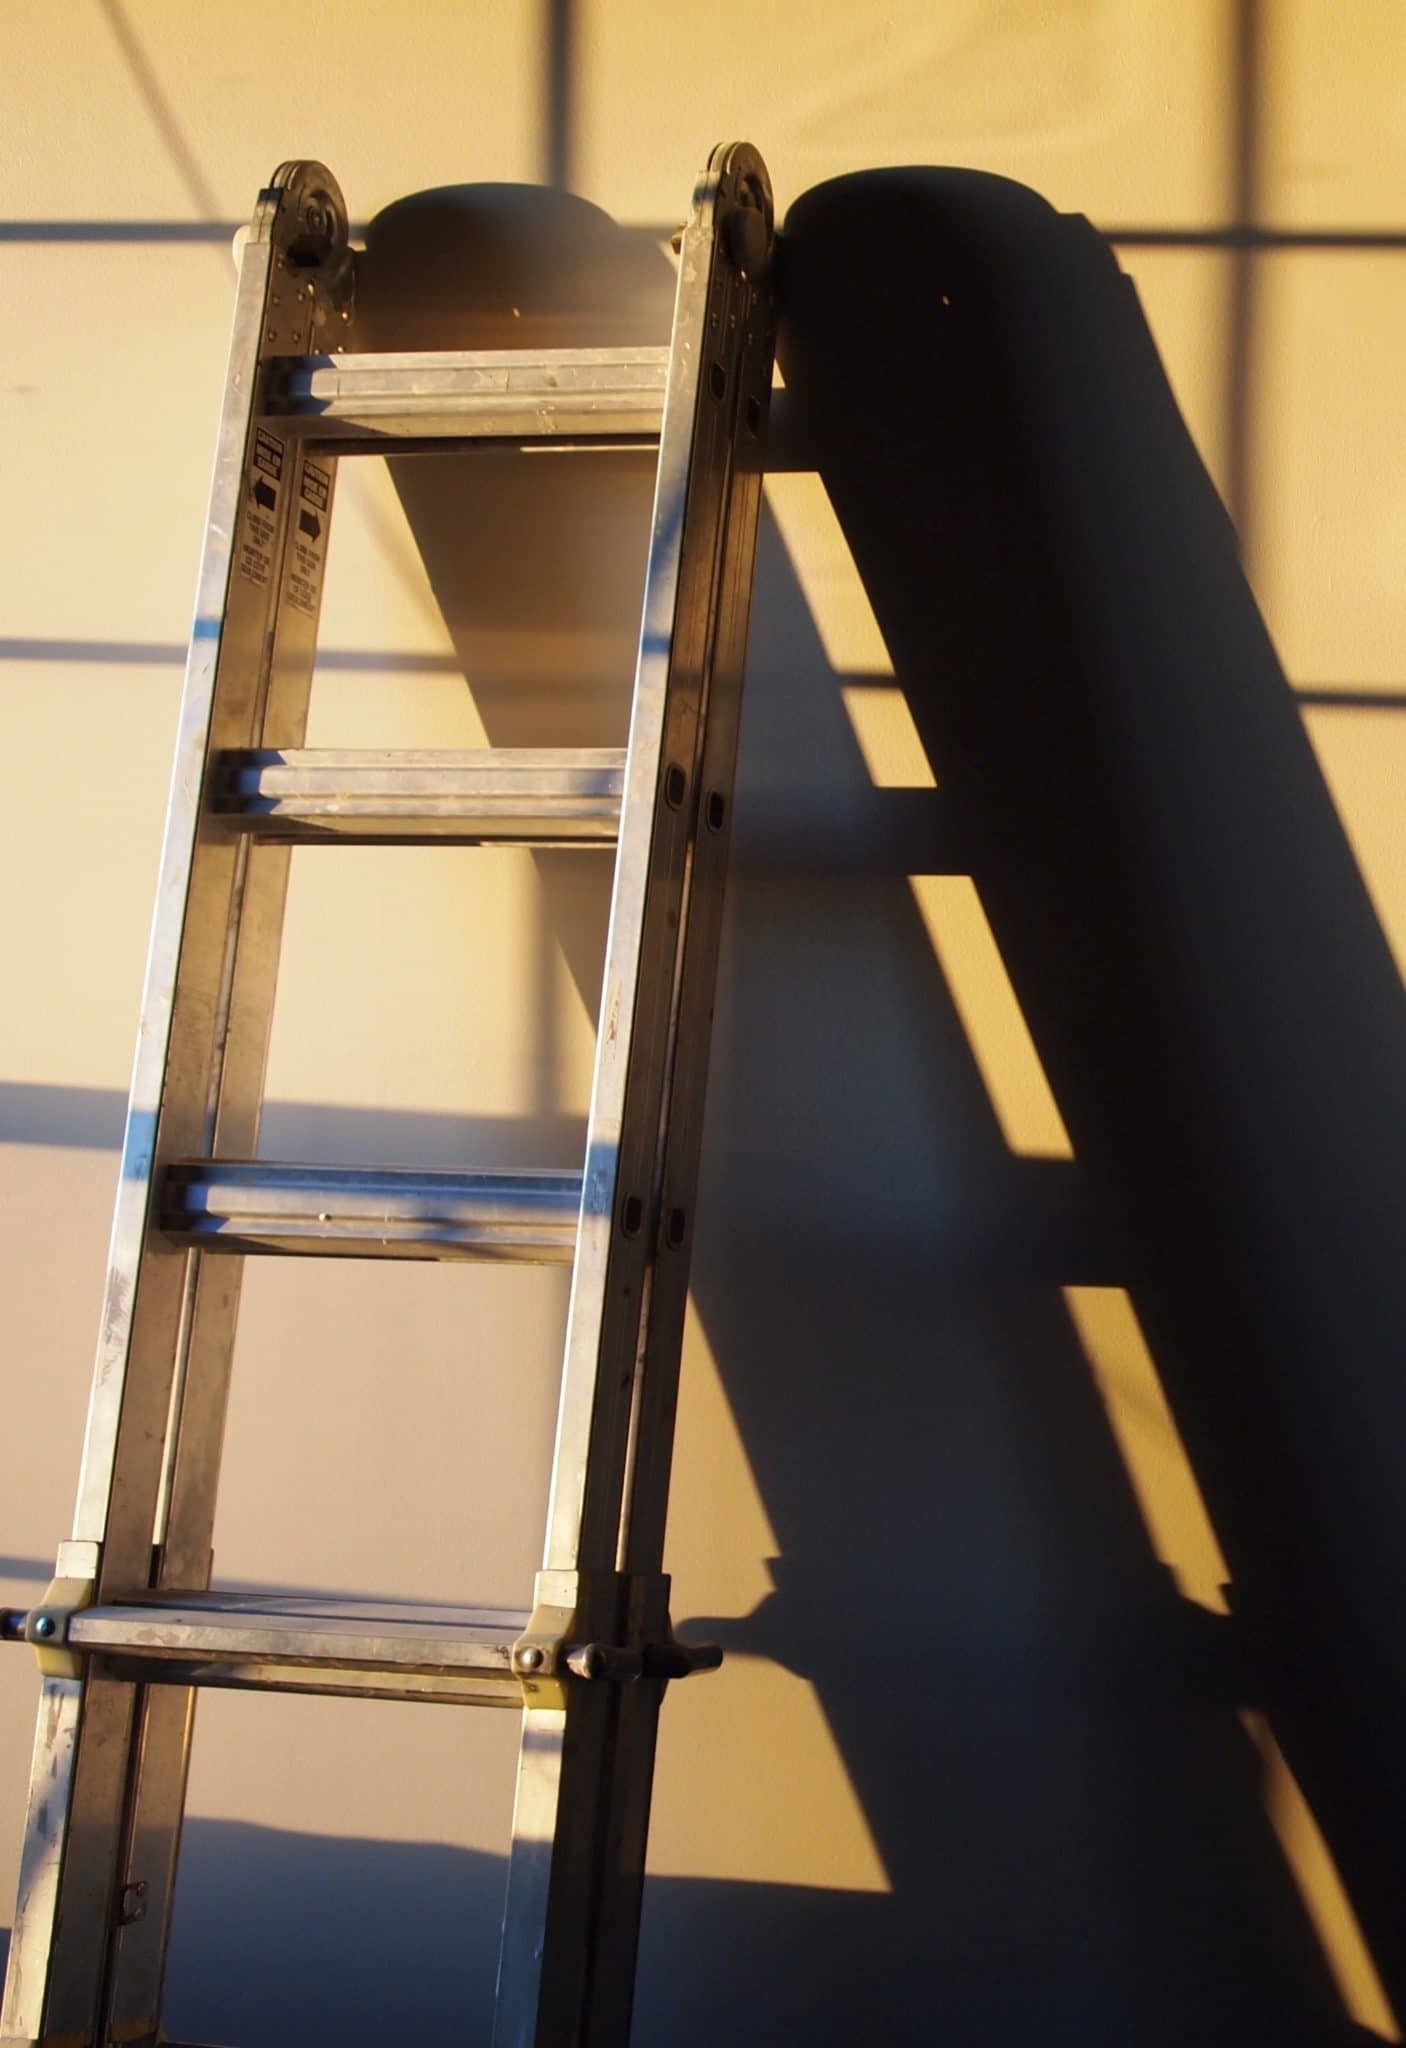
<point x="172" y="654"/>
<point x="560" y="39"/>
<point x="1323" y="697"/>
<point x="69" y="1116"/>
<point x="214" y="232"/>
<point x="1233" y="237"/>
<point x="389" y="661"/>
<point x="1246" y="65"/>
<point x="1243" y="238"/>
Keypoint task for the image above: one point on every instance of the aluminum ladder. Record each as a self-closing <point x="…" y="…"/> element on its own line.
<point x="129" y="1630"/>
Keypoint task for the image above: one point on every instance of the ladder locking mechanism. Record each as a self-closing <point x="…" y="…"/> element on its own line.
<point x="70" y="1590"/>
<point x="601" y="1625"/>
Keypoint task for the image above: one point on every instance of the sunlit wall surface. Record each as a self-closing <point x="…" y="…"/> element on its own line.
<point x="980" y="1766"/>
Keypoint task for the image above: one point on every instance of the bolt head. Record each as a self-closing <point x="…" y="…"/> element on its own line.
<point x="529" y="1659"/>
<point x="44" y="1626"/>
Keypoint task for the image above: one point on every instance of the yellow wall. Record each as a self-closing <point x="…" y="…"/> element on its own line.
<point x="829" y="1839"/>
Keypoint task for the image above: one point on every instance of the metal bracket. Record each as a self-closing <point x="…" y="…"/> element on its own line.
<point x="572" y="1613"/>
<point x="70" y="1590"/>
<point x="601" y="1625"/>
<point x="133" y="1905"/>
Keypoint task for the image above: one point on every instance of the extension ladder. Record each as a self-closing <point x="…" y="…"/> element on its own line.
<point x="129" y="1628"/>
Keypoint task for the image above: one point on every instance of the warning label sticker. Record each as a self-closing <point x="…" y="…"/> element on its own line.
<point x="317" y="486"/>
<point x="268" y="455"/>
<point x="307" y="544"/>
<point x="259" y="526"/>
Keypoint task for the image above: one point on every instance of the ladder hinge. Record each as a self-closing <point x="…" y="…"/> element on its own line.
<point x="70" y="1590"/>
<point x="601" y="1625"/>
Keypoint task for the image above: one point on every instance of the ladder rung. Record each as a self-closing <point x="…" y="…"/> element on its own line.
<point x="515" y="395"/>
<point x="295" y="1643"/>
<point x="371" y="1212"/>
<point x="512" y="796"/>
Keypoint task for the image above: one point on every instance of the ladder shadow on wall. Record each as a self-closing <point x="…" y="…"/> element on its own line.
<point x="1058" y="1730"/>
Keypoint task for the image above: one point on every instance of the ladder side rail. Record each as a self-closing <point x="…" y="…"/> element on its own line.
<point x="90" y="1726"/>
<point x="645" y="1506"/>
<point x="567" y="1826"/>
<point x="200" y="1398"/>
<point x="551" y="1871"/>
<point x="658" y="819"/>
<point x="67" y="1780"/>
<point x="59" y="1784"/>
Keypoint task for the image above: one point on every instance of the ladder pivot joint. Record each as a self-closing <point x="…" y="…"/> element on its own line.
<point x="70" y="1590"/>
<point x="591" y="1626"/>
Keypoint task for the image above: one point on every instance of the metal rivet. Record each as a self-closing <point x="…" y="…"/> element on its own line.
<point x="44" y="1626"/>
<point x="529" y="1660"/>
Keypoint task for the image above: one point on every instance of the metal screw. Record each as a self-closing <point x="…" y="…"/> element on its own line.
<point x="529" y="1659"/>
<point x="44" y="1626"/>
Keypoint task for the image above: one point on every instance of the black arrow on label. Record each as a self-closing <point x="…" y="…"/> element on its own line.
<point x="310" y="524"/>
<point x="265" y="494"/>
